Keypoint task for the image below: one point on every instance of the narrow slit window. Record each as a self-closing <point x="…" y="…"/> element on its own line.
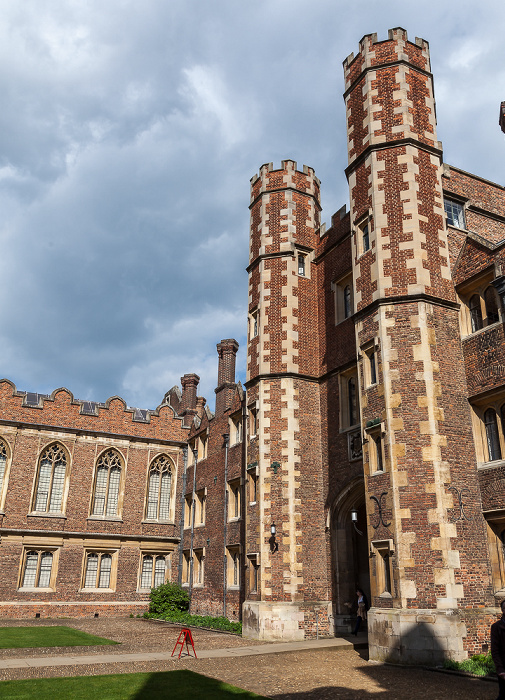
<point x="492" y="437"/>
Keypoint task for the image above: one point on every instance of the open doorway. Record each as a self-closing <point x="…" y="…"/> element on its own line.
<point x="350" y="555"/>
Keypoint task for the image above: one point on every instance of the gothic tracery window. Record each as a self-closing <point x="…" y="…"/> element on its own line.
<point x="159" y="489"/>
<point x="107" y="481"/>
<point x="51" y="480"/>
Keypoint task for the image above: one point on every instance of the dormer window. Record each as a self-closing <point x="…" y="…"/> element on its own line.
<point x="455" y="213"/>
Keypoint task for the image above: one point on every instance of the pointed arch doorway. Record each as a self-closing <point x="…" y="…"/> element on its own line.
<point x="350" y="554"/>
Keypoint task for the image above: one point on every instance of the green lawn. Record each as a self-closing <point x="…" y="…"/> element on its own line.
<point x="175" y="685"/>
<point x="22" y="637"/>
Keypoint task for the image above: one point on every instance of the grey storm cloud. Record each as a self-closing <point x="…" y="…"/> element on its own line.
<point x="128" y="135"/>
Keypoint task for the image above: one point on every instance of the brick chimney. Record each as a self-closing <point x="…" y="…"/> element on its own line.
<point x="189" y="385"/>
<point x="227" y="351"/>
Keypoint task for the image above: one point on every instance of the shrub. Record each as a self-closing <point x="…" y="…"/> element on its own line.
<point x="479" y="665"/>
<point x="168" y="598"/>
<point x="184" y="618"/>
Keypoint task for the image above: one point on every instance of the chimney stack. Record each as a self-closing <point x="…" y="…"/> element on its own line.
<point x="227" y="351"/>
<point x="189" y="385"/>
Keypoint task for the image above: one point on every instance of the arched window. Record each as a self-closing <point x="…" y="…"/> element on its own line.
<point x="153" y="571"/>
<point x="475" y="313"/>
<point x="37" y="569"/>
<point x="51" y="480"/>
<point x="159" y="489"/>
<point x="492" y="437"/>
<point x="98" y="570"/>
<point x="491" y="306"/>
<point x="347" y="301"/>
<point x="108" y="476"/>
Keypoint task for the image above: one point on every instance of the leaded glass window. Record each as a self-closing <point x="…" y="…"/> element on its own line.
<point x="153" y="571"/>
<point x="159" y="489"/>
<point x="108" y="477"/>
<point x="51" y="480"/>
<point x="98" y="570"/>
<point x="37" y="569"/>
<point x="492" y="437"/>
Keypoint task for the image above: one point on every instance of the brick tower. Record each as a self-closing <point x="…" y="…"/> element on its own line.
<point x="291" y="585"/>
<point x="430" y="577"/>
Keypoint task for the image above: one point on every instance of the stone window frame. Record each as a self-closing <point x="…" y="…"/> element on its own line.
<point x="143" y="570"/>
<point x="171" y="496"/>
<point x="369" y="356"/>
<point x="344" y="399"/>
<point x="233" y="566"/>
<point x="254" y="323"/>
<point x="339" y="286"/>
<point x="374" y="438"/>
<point x="482" y="433"/>
<point x="120" y="489"/>
<point x="382" y="551"/>
<point x="254" y="573"/>
<point x="253" y="419"/>
<point x="476" y="312"/>
<point x="252" y="485"/>
<point x="52" y="549"/>
<point x="198" y="567"/>
<point x="495" y="526"/>
<point x="102" y="553"/>
<point x="5" y="451"/>
<point x="60" y="512"/>
<point x="236" y="428"/>
<point x="200" y="508"/>
<point x="454" y="212"/>
<point x="186" y="567"/>
<point x="234" y="487"/>
<point x="363" y="231"/>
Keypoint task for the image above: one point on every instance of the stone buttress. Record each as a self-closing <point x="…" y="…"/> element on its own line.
<point x="429" y="573"/>
<point x="282" y="388"/>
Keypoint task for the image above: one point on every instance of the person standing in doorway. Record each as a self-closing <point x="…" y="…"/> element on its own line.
<point x="362" y="609"/>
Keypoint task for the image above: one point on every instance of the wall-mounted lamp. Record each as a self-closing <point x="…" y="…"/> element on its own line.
<point x="274" y="546"/>
<point x="354" y="519"/>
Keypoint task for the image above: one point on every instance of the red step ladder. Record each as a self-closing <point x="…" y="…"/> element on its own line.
<point x="185" y="637"/>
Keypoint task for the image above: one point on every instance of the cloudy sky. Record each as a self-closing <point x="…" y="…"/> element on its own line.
<point x="128" y="134"/>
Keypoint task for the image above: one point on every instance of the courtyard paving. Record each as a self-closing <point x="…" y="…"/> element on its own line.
<point x="284" y="672"/>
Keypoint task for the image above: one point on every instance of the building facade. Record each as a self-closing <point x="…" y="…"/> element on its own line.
<point x="367" y="447"/>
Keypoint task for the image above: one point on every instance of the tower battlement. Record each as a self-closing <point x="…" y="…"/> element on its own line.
<point x="395" y="48"/>
<point x="286" y="177"/>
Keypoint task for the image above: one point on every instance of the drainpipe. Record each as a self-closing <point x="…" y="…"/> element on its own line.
<point x="183" y="505"/>
<point x="193" y="508"/>
<point x="225" y="518"/>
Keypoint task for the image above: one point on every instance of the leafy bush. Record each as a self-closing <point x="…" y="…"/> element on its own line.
<point x="168" y="598"/>
<point x="479" y="665"/>
<point x="184" y="618"/>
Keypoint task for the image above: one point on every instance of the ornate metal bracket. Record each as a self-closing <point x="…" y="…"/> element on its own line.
<point x="379" y="507"/>
<point x="460" y="493"/>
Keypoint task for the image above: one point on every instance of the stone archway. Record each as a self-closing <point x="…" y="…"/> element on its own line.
<point x="349" y="552"/>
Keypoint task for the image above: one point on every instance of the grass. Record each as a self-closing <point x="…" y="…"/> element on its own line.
<point x="479" y="665"/>
<point x="176" y="685"/>
<point x="24" y="637"/>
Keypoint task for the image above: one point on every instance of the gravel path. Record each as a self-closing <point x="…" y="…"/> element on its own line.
<point x="307" y="675"/>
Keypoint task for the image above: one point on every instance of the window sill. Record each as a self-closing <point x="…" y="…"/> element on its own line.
<point x="234" y="520"/>
<point x="38" y="514"/>
<point x="252" y="503"/>
<point x="481" y="330"/>
<point x="385" y="595"/>
<point x="377" y="472"/>
<point x="35" y="590"/>
<point x="106" y="518"/>
<point x="199" y="525"/>
<point x="97" y="590"/>
<point x="491" y="465"/>
<point x="157" y="522"/>
<point x="233" y="588"/>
